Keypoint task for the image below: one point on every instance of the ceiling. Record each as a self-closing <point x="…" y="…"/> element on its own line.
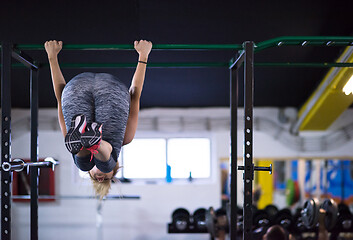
<point x="180" y="22"/>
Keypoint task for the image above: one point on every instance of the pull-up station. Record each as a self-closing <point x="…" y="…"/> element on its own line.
<point x="244" y="57"/>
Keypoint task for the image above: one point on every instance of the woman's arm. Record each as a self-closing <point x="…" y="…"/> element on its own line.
<point x="143" y="48"/>
<point x="53" y="48"/>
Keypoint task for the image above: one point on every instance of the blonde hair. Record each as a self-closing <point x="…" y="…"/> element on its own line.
<point x="102" y="188"/>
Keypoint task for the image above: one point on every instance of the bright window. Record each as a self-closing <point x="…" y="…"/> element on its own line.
<point x="145" y="158"/>
<point x="189" y="156"/>
<point x="148" y="158"/>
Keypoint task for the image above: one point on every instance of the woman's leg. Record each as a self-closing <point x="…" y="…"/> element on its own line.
<point x="111" y="100"/>
<point x="104" y="151"/>
<point x="77" y="98"/>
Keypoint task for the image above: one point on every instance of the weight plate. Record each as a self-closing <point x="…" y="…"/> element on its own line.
<point x="181" y="218"/>
<point x="290" y="192"/>
<point x="271" y="210"/>
<point x="210" y="222"/>
<point x="181" y="213"/>
<point x="199" y="218"/>
<point x="199" y="214"/>
<point x="222" y="220"/>
<point x="330" y="206"/>
<point x="344" y="218"/>
<point x="310" y="213"/>
<point x="343" y="208"/>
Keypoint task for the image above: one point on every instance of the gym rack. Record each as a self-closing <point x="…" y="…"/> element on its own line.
<point x="245" y="57"/>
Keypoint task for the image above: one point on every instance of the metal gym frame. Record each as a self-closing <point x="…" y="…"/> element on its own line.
<point x="7" y="165"/>
<point x="244" y="58"/>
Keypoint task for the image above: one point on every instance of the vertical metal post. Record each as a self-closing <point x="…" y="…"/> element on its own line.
<point x="233" y="151"/>
<point x="34" y="153"/>
<point x="99" y="219"/>
<point x="248" y="137"/>
<point x="6" y="52"/>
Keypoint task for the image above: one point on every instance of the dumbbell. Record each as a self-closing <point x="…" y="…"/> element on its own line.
<point x="181" y="219"/>
<point x="344" y="219"/>
<point x="284" y="218"/>
<point x="199" y="219"/>
<point x="331" y="212"/>
<point x="310" y="213"/>
<point x="298" y="226"/>
<point x="271" y="210"/>
<point x="222" y="219"/>
<point x="216" y="221"/>
<point x="261" y="219"/>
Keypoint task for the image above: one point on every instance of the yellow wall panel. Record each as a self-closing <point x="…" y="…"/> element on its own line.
<point x="265" y="181"/>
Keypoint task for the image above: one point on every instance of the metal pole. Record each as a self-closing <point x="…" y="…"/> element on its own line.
<point x="6" y="139"/>
<point x="233" y="146"/>
<point x="18" y="165"/>
<point x="248" y="137"/>
<point x="133" y="65"/>
<point x="99" y="220"/>
<point x="257" y="168"/>
<point x="151" y="65"/>
<point x="73" y="197"/>
<point x="34" y="153"/>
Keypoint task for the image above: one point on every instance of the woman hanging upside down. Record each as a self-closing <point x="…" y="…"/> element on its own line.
<point x="100" y="114"/>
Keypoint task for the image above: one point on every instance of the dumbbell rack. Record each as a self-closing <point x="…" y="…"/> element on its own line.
<point x="247" y="57"/>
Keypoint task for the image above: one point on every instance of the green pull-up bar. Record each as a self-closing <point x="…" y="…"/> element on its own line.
<point x="192" y="65"/>
<point x="274" y="42"/>
<point x="133" y="65"/>
<point x="305" y="41"/>
<point x="131" y="47"/>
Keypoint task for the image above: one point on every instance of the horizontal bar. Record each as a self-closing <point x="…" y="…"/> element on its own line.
<point x="133" y="65"/>
<point x="302" y="64"/>
<point x="274" y="42"/>
<point x="305" y="41"/>
<point x="193" y="65"/>
<point x="131" y="46"/>
<point x="25" y="60"/>
<point x="19" y="164"/>
<point x="114" y="197"/>
<point x="257" y="168"/>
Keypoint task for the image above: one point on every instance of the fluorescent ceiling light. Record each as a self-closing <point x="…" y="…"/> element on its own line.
<point x="348" y="88"/>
